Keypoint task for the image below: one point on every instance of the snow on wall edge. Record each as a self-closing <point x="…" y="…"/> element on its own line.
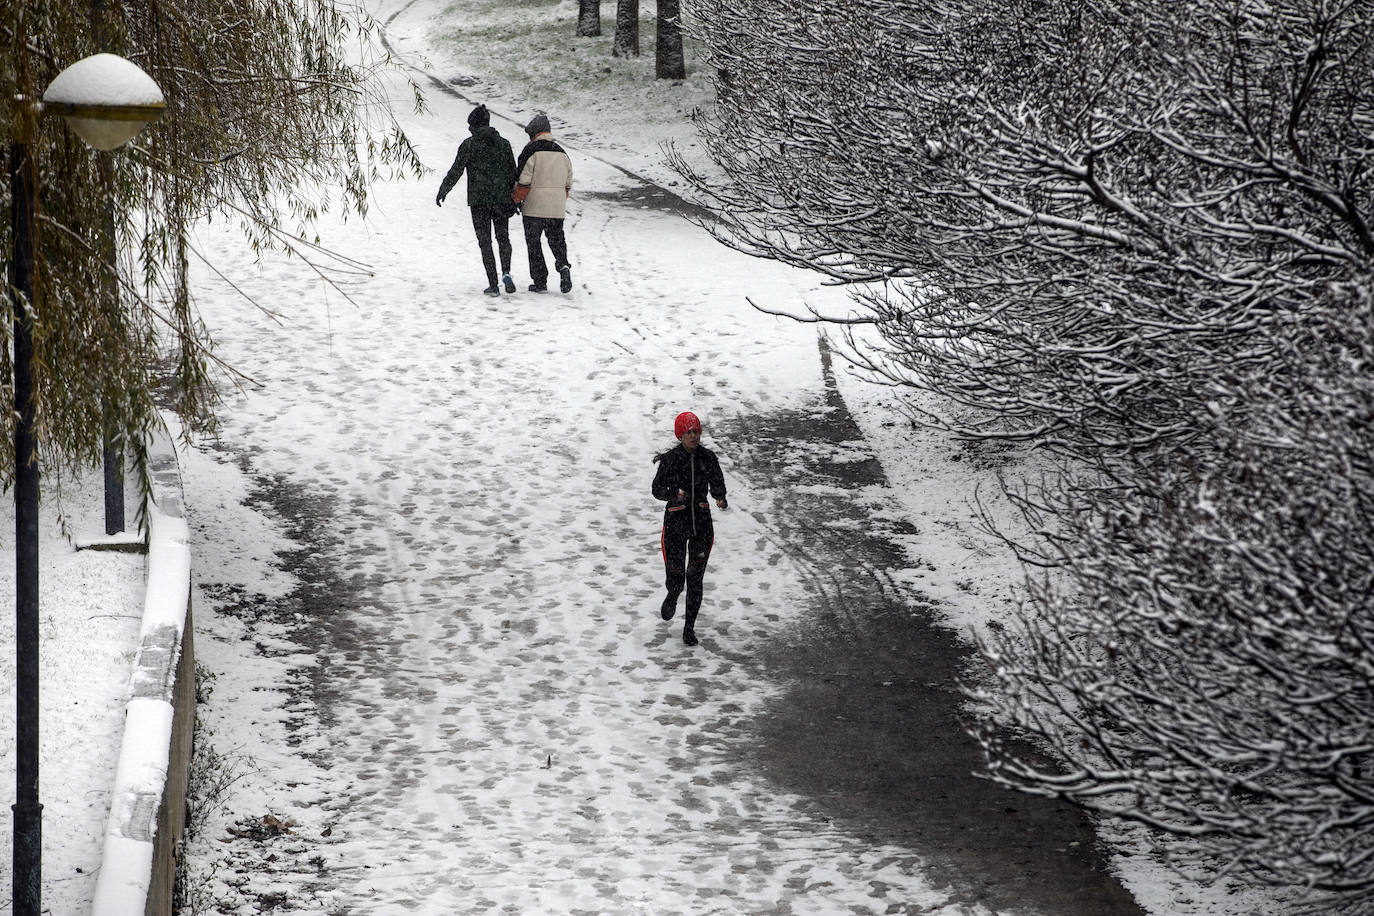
<point x="126" y="873"/>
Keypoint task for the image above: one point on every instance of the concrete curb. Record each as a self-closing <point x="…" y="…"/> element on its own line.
<point x="148" y="804"/>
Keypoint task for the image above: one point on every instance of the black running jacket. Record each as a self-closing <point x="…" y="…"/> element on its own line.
<point x="697" y="474"/>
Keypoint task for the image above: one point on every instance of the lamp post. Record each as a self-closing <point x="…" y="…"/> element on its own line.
<point x="106" y="100"/>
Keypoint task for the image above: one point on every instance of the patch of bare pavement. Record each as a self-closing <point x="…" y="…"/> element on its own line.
<point x="870" y="725"/>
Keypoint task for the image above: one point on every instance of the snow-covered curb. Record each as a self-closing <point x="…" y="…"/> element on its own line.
<point x="148" y="803"/>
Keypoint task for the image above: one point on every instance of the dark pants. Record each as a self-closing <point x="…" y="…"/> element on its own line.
<point x="487" y="221"/>
<point x="684" y="558"/>
<point x="535" y="226"/>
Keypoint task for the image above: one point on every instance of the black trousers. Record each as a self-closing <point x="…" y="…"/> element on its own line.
<point x="536" y="226"/>
<point x="488" y="221"/>
<point x="685" y="553"/>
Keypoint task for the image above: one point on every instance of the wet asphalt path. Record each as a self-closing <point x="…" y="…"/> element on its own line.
<point x="870" y="727"/>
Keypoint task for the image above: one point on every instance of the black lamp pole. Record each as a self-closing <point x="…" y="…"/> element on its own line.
<point x="28" y="813"/>
<point x="85" y="115"/>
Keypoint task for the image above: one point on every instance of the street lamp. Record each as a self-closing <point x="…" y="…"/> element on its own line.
<point x="106" y="100"/>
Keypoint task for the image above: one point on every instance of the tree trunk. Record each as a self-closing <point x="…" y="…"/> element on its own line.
<point x="626" y="29"/>
<point x="668" y="60"/>
<point x="588" y="18"/>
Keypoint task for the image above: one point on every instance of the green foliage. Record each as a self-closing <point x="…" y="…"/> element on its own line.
<point x="268" y="123"/>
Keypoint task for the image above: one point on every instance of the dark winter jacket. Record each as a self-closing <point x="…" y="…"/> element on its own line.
<point x="490" y="163"/>
<point x="695" y="473"/>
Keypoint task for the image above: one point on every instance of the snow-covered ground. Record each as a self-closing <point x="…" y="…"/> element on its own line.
<point x="90" y="608"/>
<point x="463" y="700"/>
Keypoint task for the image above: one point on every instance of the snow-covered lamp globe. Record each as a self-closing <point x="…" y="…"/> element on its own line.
<point x="106" y="99"/>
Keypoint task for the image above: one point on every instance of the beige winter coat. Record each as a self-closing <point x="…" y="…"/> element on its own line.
<point x="546" y="170"/>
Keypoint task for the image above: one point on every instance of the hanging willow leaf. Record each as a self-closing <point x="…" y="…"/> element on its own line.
<point x="272" y="119"/>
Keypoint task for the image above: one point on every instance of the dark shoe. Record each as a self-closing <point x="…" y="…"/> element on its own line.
<point x="492" y="291"/>
<point x="565" y="280"/>
<point x="669" y="607"/>
<point x="510" y="284"/>
<point x="538" y="288"/>
<point x="689" y="637"/>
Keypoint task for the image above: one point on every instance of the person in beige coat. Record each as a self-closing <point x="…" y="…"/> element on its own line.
<point x="542" y="187"/>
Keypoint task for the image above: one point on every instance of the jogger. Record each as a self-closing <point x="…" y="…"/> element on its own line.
<point x="687" y="475"/>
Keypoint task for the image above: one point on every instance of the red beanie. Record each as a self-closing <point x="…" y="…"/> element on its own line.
<point x="685" y="421"/>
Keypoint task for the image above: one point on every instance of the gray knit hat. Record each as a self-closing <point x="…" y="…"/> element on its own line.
<point x="538" y="124"/>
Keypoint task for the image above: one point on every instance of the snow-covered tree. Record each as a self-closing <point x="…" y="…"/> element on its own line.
<point x="626" y="29"/>
<point x="588" y="18"/>
<point x="1087" y="207"/>
<point x="1138" y="235"/>
<point x="670" y="63"/>
<point x="268" y="122"/>
<point x="1203" y="660"/>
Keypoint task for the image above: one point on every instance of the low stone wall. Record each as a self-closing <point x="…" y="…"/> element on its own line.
<point x="148" y="805"/>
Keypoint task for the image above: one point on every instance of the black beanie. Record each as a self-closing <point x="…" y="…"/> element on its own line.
<point x="480" y="117"/>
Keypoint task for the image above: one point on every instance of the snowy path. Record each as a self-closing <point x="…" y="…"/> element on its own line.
<point x="484" y="712"/>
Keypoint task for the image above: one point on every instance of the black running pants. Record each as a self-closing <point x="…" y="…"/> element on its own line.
<point x="684" y="559"/>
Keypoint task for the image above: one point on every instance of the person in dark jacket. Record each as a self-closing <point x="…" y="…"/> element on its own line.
<point x="687" y="474"/>
<point x="490" y="163"/>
